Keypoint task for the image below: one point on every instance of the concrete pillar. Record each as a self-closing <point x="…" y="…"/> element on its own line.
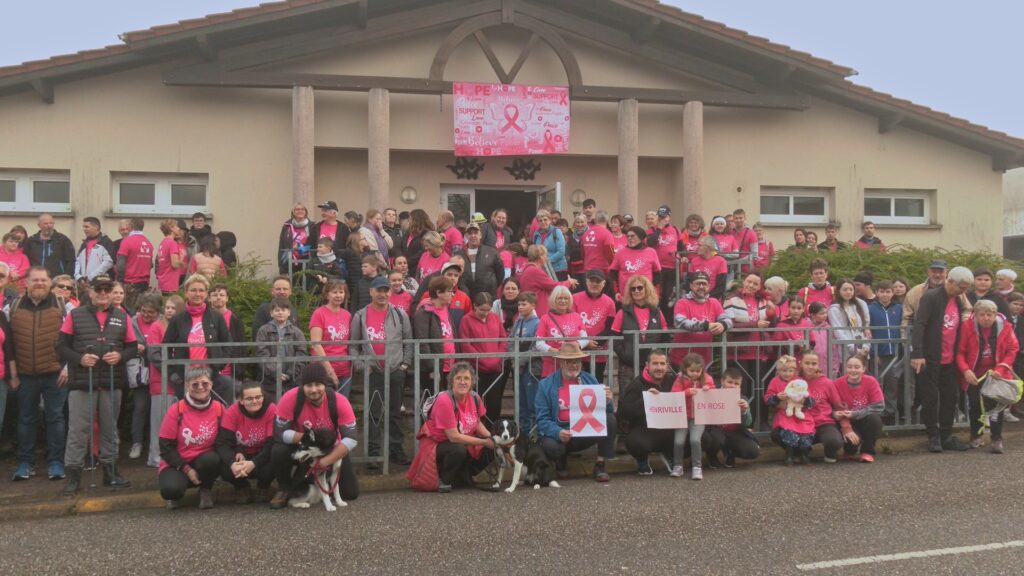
<point x="693" y="158"/>
<point x="629" y="148"/>
<point x="379" y="148"/>
<point x="303" y="147"/>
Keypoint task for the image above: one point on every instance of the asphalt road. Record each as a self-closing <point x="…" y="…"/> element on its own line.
<point x="763" y="519"/>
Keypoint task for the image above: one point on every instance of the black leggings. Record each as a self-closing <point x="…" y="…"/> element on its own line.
<point x="264" y="475"/>
<point x="975" y="400"/>
<point x="827" y="435"/>
<point x="492" y="388"/>
<point x="869" y="429"/>
<point x="455" y="465"/>
<point x="738" y="443"/>
<point x="291" y="475"/>
<point x="174" y="482"/>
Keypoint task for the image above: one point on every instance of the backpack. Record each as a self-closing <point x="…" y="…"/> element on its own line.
<point x="429" y="401"/>
<point x="332" y="406"/>
<point x="217" y="406"/>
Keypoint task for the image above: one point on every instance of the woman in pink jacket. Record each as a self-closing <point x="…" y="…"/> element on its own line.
<point x="482" y="324"/>
<point x="534" y="278"/>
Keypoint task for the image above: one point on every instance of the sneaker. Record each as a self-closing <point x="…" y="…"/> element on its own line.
<point x="280" y="500"/>
<point x="599" y="473"/>
<point x="205" y="498"/>
<point x="867" y="458"/>
<point x="173" y="504"/>
<point x="934" y="444"/>
<point x="713" y="461"/>
<point x="1009" y="417"/>
<point x="22" y="472"/>
<point x="954" y="443"/>
<point x="977" y="442"/>
<point x="444" y="488"/>
<point x="997" y="447"/>
<point x="643" y="468"/>
<point x="136" y="451"/>
<point x="696" y="473"/>
<point x="56" y="471"/>
<point x="830" y="460"/>
<point x="677" y="471"/>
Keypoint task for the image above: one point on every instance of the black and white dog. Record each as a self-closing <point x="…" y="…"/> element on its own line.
<point x="515" y="450"/>
<point x="324" y="482"/>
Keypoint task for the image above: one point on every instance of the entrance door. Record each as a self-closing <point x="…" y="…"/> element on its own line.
<point x="520" y="205"/>
<point x="551" y="196"/>
<point x="459" y="201"/>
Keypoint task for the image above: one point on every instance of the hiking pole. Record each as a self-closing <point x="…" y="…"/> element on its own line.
<point x="90" y="349"/>
<point x="114" y="440"/>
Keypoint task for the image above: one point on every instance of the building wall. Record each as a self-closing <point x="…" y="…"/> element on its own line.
<point x="242" y="139"/>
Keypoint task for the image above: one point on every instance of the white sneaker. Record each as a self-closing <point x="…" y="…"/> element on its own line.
<point x="696" y="473"/>
<point x="677" y="471"/>
<point x="136" y="451"/>
<point x="1009" y="417"/>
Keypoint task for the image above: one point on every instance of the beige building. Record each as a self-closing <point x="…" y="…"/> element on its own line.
<point x="239" y="115"/>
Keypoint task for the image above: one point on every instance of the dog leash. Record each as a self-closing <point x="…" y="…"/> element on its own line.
<point x="314" y="473"/>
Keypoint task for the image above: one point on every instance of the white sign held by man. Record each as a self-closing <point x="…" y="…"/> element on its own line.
<point x="716" y="407"/>
<point x="665" y="410"/>
<point x="587" y="405"/>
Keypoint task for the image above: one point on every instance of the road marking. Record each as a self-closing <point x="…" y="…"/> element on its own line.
<point x="910" y="555"/>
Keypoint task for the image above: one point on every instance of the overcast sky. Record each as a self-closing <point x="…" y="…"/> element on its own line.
<point x="956" y="57"/>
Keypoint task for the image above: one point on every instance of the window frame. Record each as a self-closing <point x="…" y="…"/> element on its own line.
<point x="893" y="194"/>
<point x="24" y="190"/>
<point x="797" y="192"/>
<point x="162" y="184"/>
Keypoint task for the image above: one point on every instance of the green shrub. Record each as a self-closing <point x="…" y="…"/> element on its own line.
<point x="899" y="261"/>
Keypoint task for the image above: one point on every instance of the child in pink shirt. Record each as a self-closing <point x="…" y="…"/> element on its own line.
<point x="692" y="378"/>
<point x="795" y="434"/>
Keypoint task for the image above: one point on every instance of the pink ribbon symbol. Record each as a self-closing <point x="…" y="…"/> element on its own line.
<point x="512" y="117"/>
<point x="563" y="98"/>
<point x="588" y="402"/>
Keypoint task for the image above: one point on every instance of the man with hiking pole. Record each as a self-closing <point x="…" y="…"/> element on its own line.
<point x="94" y="336"/>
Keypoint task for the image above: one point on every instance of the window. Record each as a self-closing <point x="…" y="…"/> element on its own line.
<point x="893" y="206"/>
<point x="145" y="193"/>
<point x="35" y="191"/>
<point x="789" y="205"/>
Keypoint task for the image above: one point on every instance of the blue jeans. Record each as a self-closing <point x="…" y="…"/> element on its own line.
<point x="528" y="385"/>
<point x="54" y="397"/>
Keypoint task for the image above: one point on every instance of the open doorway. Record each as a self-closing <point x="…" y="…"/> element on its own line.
<point x="521" y="206"/>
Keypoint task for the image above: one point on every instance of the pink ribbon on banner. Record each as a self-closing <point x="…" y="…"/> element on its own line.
<point x="587" y="412"/>
<point x="512" y="118"/>
<point x="563" y="98"/>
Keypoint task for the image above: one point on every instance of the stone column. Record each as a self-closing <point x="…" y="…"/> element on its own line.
<point x="379" y="148"/>
<point x="629" y="147"/>
<point x="693" y="158"/>
<point x="303" y="147"/>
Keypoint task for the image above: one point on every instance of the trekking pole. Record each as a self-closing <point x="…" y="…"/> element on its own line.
<point x="114" y="440"/>
<point x="92" y="423"/>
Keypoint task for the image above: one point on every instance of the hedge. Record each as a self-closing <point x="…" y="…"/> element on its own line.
<point x="899" y="261"/>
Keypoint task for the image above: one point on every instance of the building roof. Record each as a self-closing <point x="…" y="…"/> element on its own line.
<point x="136" y="42"/>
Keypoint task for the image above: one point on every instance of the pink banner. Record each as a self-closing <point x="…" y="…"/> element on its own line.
<point x="510" y="119"/>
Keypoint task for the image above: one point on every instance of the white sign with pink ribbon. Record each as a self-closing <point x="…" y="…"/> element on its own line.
<point x="587" y="415"/>
<point x="510" y="119"/>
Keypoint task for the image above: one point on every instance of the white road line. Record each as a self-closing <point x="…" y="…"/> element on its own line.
<point x="910" y="555"/>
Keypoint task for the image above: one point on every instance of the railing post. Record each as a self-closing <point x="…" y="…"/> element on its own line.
<point x="385" y="450"/>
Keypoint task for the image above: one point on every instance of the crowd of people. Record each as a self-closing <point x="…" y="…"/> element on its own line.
<point x="82" y="327"/>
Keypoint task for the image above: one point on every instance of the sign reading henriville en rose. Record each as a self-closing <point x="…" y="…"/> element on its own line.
<point x="510" y="119"/>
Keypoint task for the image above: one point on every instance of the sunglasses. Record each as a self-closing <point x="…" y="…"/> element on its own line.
<point x="103" y="290"/>
<point x="61" y="286"/>
<point x="637" y="289"/>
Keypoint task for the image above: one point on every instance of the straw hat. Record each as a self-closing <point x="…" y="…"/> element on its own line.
<point x="571" y="351"/>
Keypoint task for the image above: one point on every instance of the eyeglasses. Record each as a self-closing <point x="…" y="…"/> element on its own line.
<point x="200" y="384"/>
<point x="253" y="399"/>
<point x="637" y="289"/>
<point x="61" y="286"/>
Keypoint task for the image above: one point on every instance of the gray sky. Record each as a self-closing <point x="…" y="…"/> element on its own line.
<point x="952" y="56"/>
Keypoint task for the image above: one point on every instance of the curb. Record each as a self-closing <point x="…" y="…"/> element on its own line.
<point x="890" y="444"/>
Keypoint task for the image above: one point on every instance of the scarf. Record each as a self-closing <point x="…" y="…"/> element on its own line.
<point x="197" y="405"/>
<point x="327" y="258"/>
<point x="299" y="223"/>
<point x="194" y="311"/>
<point x="509" y="309"/>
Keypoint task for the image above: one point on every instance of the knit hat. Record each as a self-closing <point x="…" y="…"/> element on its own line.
<point x="314" y="373"/>
<point x="640" y="232"/>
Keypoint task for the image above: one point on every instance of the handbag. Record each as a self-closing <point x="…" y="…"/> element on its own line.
<point x="1004" y="391"/>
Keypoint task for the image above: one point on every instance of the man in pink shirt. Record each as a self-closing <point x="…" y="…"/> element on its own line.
<point x="596" y="242"/>
<point x="664" y="238"/>
<point x="135" y="263"/>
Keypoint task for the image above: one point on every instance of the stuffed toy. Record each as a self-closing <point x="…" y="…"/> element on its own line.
<point x="796" y="394"/>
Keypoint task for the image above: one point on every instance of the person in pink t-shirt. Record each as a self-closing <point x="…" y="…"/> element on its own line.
<point x="135" y="262"/>
<point x="597" y="310"/>
<point x="482" y="324"/>
<point x="244" y="443"/>
<point x="187" y="438"/>
<point x="171" y="258"/>
<point x="434" y="256"/>
<point x="446" y="227"/>
<point x="864" y="407"/>
<point x="558" y="323"/>
<point x="598" y="248"/>
<point x="329" y="324"/>
<point x="637" y="259"/>
<point x="400" y="297"/>
<point x="15" y="259"/>
<point x="456" y="424"/>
